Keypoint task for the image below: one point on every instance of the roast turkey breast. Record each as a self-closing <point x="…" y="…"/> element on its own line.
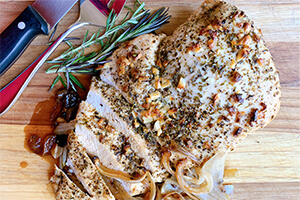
<point x="180" y="99"/>
<point x="213" y="82"/>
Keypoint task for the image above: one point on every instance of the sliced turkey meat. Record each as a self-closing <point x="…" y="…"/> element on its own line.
<point x="100" y="138"/>
<point x="109" y="102"/>
<point x="65" y="189"/>
<point x="85" y="171"/>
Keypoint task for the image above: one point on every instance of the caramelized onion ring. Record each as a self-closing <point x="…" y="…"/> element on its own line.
<point x="117" y="190"/>
<point x="196" y="181"/>
<point x="193" y="189"/>
<point x="166" y="163"/>
<point x="165" y="159"/>
<point x="152" y="192"/>
<point x="116" y="174"/>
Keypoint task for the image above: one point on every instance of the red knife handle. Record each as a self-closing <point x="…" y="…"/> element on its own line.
<point x="12" y="91"/>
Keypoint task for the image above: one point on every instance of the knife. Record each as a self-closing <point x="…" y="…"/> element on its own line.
<point x="38" y="18"/>
<point x="10" y="93"/>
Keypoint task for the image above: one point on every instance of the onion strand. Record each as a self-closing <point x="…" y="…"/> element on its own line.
<point x="117" y="190"/>
<point x="193" y="189"/>
<point x="177" y="148"/>
<point x="152" y="192"/>
<point x="165" y="159"/>
<point x="119" y="175"/>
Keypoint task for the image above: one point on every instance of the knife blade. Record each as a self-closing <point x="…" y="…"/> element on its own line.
<point x="38" y="18"/>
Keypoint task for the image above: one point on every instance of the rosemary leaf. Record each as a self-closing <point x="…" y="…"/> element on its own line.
<point x="84" y="39"/>
<point x="98" y="33"/>
<point x="136" y="22"/>
<point x="53" y="66"/>
<point x="76" y="81"/>
<point x="63" y="82"/>
<point x="68" y="43"/>
<point x="68" y="78"/>
<point x="73" y="87"/>
<point x="54" y="82"/>
<point x="128" y="9"/>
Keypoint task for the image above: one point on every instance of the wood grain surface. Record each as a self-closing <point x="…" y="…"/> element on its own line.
<point x="266" y="165"/>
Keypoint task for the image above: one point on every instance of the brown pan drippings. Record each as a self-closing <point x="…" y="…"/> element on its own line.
<point x="39" y="136"/>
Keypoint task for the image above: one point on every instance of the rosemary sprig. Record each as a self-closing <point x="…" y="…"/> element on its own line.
<point x="137" y="21"/>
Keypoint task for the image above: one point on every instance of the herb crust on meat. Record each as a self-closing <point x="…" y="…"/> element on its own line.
<point x="195" y="93"/>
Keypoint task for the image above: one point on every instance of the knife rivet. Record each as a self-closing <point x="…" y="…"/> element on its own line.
<point x="21" y="25"/>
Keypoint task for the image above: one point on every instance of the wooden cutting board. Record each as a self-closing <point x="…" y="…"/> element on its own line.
<point x="265" y="166"/>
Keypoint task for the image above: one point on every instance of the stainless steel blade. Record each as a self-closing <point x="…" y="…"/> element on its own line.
<point x="53" y="10"/>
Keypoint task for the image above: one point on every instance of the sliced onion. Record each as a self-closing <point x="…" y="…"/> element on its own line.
<point x="170" y="185"/>
<point x="165" y="159"/>
<point x="166" y="163"/>
<point x="177" y="148"/>
<point x="117" y="190"/>
<point x="152" y="191"/>
<point x="206" y="187"/>
<point x="206" y="183"/>
<point x="169" y="196"/>
<point x="117" y="174"/>
<point x="63" y="158"/>
<point x="56" y="151"/>
<point x="63" y="128"/>
<point x="158" y="194"/>
<point x="215" y="166"/>
<point x="196" y="181"/>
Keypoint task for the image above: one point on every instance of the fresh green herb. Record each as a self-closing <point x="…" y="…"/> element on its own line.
<point x="137" y="22"/>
